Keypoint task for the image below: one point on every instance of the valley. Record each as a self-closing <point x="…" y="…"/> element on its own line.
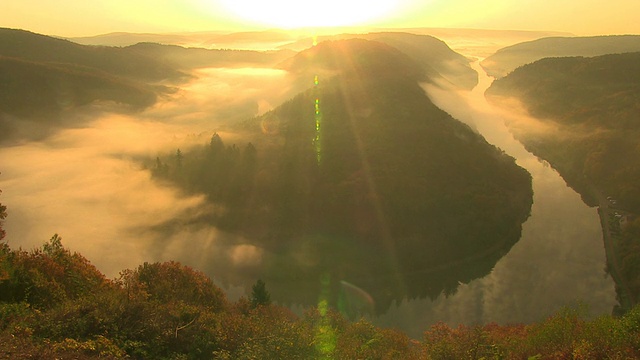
<point x="362" y="165"/>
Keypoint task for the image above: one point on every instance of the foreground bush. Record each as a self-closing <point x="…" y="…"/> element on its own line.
<point x="55" y="305"/>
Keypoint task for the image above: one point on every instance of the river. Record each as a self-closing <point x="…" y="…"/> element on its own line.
<point x="85" y="183"/>
<point x="558" y="262"/>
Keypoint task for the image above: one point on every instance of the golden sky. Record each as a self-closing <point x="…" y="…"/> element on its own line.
<point x="84" y="18"/>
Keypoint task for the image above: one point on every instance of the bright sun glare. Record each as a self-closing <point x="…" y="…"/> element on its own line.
<point x="304" y="13"/>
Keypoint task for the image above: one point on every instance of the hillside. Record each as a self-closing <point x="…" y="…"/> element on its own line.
<point x="509" y="58"/>
<point x="433" y="55"/>
<point x="366" y="178"/>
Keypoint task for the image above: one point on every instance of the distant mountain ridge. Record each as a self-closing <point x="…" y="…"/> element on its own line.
<point x="185" y="58"/>
<point x="30" y="46"/>
<point x="507" y="59"/>
<point x="206" y="39"/>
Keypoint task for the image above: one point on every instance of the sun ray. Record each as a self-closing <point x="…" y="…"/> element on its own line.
<point x="350" y="87"/>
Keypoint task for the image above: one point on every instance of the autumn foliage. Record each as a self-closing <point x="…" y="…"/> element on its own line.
<point x="55" y="304"/>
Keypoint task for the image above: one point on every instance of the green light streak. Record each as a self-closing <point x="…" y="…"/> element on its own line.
<point x="325" y="336"/>
<point x="317" y="142"/>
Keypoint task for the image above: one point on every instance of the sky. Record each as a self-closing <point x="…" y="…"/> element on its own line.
<point x="71" y="18"/>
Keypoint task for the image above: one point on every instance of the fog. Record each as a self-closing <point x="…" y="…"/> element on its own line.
<point x="88" y="185"/>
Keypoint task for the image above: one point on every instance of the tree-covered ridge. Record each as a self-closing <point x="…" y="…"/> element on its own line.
<point x="364" y="175"/>
<point x="57" y="305"/>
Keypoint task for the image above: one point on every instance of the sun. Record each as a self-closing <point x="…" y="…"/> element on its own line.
<point x="291" y="14"/>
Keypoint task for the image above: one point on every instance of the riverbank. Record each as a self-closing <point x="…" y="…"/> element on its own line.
<point x="626" y="297"/>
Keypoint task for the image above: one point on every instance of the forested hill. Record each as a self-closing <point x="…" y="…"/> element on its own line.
<point x="509" y="58"/>
<point x="366" y="178"/>
<point x="572" y="90"/>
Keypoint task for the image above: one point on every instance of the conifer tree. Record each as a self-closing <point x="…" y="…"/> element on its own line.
<point x="259" y="294"/>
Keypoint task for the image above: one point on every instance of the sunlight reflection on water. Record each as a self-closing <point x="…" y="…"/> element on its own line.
<point x="559" y="260"/>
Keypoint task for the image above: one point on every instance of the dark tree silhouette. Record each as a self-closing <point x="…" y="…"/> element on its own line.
<point x="3" y="215"/>
<point x="259" y="294"/>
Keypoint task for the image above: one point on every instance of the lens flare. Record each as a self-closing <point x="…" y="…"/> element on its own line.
<point x="325" y="336"/>
<point x="317" y="139"/>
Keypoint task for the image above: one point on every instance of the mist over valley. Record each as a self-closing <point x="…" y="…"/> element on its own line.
<point x="365" y="170"/>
